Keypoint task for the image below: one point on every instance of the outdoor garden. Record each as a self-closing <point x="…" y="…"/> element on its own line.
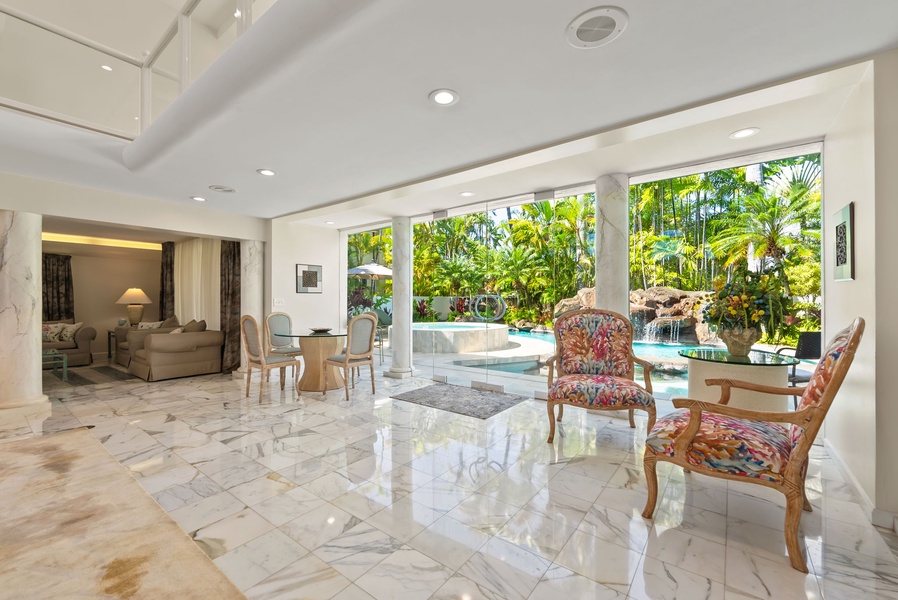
<point x="731" y="249"/>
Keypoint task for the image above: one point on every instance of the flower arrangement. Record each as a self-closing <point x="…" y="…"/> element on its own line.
<point x="748" y="300"/>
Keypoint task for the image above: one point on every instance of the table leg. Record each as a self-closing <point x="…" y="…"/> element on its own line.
<point x="315" y="378"/>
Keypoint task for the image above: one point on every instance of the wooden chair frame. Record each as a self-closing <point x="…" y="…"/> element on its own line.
<point x="794" y="471"/>
<point x="351" y="361"/>
<point x="647" y="369"/>
<point x="263" y="361"/>
<point x="270" y="347"/>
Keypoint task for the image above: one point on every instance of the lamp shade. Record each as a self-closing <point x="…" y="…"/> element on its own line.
<point x="134" y="296"/>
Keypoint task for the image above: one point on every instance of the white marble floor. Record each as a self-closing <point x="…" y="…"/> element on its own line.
<point x="310" y="496"/>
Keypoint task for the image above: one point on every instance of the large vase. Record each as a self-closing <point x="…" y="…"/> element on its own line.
<point x="739" y="341"/>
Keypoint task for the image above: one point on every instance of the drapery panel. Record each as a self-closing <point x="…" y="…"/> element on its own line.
<point x="167" y="281"/>
<point x="59" y="291"/>
<point x="198" y="281"/>
<point x="230" y="305"/>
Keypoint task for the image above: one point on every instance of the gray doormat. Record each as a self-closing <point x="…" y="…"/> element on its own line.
<point x="461" y="400"/>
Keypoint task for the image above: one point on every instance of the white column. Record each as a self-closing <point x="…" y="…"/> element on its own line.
<point x="252" y="284"/>
<point x="612" y="260"/>
<point x="20" y="311"/>
<point x="401" y="338"/>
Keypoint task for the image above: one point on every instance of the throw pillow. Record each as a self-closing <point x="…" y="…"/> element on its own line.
<point x="195" y="326"/>
<point x="178" y="330"/>
<point x="170" y="322"/>
<point x="50" y="331"/>
<point x="68" y="332"/>
<point x="149" y="325"/>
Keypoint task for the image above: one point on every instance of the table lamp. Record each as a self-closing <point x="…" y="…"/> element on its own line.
<point x="135" y="299"/>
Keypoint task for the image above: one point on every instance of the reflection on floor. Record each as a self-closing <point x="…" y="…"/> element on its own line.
<point x="312" y="496"/>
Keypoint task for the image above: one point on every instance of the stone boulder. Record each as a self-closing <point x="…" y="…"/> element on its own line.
<point x="585" y="298"/>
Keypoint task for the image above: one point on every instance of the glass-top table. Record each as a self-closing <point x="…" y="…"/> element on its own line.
<point x="763" y="368"/>
<point x="316" y="347"/>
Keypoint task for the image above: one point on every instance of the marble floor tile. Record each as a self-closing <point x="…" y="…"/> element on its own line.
<point x="308" y="577"/>
<point x="287" y="506"/>
<point x="762" y="578"/>
<point x="319" y="525"/>
<point x="403" y="479"/>
<point x="603" y="562"/>
<point x="206" y="511"/>
<point x="405" y="575"/>
<point x="261" y="489"/>
<point x="559" y="582"/>
<point x="404" y="519"/>
<point x="439" y="495"/>
<point x="689" y="552"/>
<point x="629" y="531"/>
<point x="366" y="499"/>
<point x="559" y="507"/>
<point x="657" y="580"/>
<point x="228" y="533"/>
<point x="837" y="568"/>
<point x="353" y="592"/>
<point x="483" y="513"/>
<point x="460" y="587"/>
<point x="535" y="533"/>
<point x="450" y="542"/>
<point x="260" y="558"/>
<point x="176" y="496"/>
<point x="354" y="552"/>
<point x="506" y="569"/>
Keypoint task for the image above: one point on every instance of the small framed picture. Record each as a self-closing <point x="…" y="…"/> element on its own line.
<point x="308" y="279"/>
<point x="843" y="257"/>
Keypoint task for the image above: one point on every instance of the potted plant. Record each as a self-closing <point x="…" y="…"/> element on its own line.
<point x="743" y="308"/>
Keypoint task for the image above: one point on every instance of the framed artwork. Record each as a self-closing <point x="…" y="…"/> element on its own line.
<point x="308" y="279"/>
<point x="844" y="239"/>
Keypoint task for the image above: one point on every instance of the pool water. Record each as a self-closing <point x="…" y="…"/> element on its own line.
<point x="639" y="348"/>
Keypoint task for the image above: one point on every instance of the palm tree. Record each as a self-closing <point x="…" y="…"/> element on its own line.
<point x="772" y="227"/>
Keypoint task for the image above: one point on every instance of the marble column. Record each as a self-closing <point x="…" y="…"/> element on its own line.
<point x="252" y="284"/>
<point x="20" y="311"/>
<point x="401" y="337"/>
<point x="612" y="258"/>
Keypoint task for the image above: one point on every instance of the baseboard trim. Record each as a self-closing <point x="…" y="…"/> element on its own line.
<point x="488" y="387"/>
<point x="878" y="517"/>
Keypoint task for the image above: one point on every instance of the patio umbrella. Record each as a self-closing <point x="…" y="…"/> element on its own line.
<point x="371" y="271"/>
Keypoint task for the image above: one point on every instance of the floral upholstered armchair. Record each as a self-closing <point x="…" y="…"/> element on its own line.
<point x="767" y="448"/>
<point x="595" y="364"/>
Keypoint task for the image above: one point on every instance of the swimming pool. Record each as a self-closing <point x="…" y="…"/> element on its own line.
<point x="640" y="349"/>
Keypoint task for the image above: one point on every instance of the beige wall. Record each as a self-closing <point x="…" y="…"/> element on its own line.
<point x="294" y="243"/>
<point x="860" y="158"/>
<point x="99" y="282"/>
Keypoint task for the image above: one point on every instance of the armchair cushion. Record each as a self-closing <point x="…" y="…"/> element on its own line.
<point x="595" y="343"/>
<point x="758" y="449"/>
<point x="600" y="391"/>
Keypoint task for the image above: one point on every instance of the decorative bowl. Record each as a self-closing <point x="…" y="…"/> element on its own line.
<point x="320" y="329"/>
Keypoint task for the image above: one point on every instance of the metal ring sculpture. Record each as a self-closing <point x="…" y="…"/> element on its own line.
<point x="486" y="300"/>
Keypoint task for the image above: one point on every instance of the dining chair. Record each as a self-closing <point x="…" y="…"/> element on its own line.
<point x="753" y="446"/>
<point x="359" y="350"/>
<point x="258" y="358"/>
<point x="277" y="323"/>
<point x="595" y="363"/>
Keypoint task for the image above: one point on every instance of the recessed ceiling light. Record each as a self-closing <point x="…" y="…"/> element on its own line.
<point x="222" y="189"/>
<point x="444" y="97"/>
<point x="329" y="223"/>
<point x="237" y="13"/>
<point x="137" y="118"/>
<point x="466" y="194"/>
<point x="106" y="67"/>
<point x="198" y="198"/>
<point x="266" y="172"/>
<point x="744" y="133"/>
<point x="596" y="27"/>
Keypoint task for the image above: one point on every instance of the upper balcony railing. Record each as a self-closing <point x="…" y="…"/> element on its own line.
<point x="50" y="72"/>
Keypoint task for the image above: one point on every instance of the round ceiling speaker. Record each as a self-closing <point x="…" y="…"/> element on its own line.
<point x="596" y="27"/>
<point x="223" y="189"/>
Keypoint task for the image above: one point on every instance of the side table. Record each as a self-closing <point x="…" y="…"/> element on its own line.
<point x="55" y="358"/>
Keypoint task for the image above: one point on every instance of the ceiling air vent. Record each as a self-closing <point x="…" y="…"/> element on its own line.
<point x="597" y="27"/>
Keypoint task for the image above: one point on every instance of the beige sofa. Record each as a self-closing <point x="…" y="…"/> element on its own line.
<point x="129" y="340"/>
<point x="78" y="351"/>
<point x="156" y="355"/>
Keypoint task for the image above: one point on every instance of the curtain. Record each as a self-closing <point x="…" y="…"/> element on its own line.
<point x="59" y="293"/>
<point x="167" y="282"/>
<point x="198" y="281"/>
<point x="230" y="305"/>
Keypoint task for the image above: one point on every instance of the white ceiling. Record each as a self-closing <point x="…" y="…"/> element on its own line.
<point x="333" y="95"/>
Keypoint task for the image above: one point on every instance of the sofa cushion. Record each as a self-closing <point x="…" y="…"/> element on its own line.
<point x="149" y="325"/>
<point x="142" y="353"/>
<point x="195" y="326"/>
<point x="68" y="332"/>
<point x="58" y="345"/>
<point x="171" y="322"/>
<point x="50" y="332"/>
<point x="177" y="330"/>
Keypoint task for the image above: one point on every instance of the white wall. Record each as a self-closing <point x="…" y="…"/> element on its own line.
<point x="299" y="243"/>
<point x="860" y="158"/>
<point x="89" y="204"/>
<point x="886" y="339"/>
<point x="848" y="175"/>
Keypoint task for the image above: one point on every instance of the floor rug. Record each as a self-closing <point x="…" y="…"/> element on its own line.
<point x="93" y="375"/>
<point x="77" y="525"/>
<point x="461" y="400"/>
